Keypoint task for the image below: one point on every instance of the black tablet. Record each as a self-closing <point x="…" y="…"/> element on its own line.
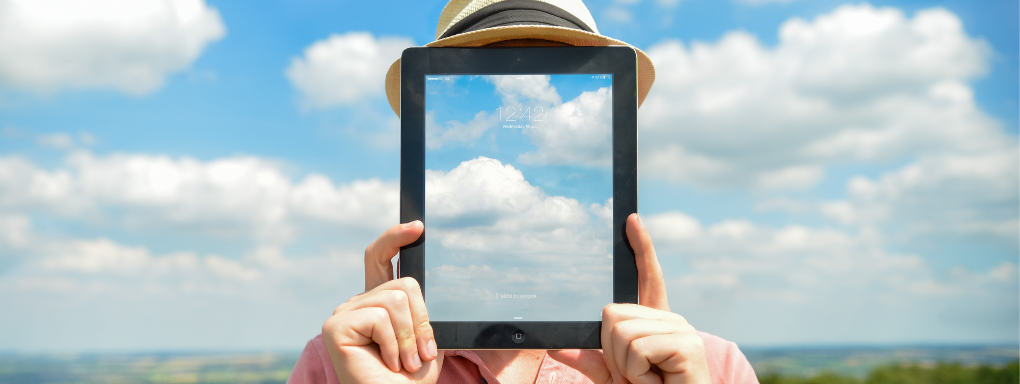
<point x="522" y="163"/>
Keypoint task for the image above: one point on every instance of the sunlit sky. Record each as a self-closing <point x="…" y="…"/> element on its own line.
<point x="197" y="174"/>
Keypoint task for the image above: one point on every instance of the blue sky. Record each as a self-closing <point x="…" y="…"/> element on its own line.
<point x="813" y="172"/>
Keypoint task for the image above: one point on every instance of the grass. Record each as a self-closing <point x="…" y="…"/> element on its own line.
<point x="860" y="365"/>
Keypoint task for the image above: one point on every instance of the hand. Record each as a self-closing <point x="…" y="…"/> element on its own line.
<point x="378" y="255"/>
<point x="643" y="343"/>
<point x="383" y="335"/>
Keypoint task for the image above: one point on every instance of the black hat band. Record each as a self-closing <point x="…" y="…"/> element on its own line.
<point x="516" y="12"/>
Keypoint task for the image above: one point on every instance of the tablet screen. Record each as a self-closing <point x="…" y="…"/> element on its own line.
<point x="518" y="197"/>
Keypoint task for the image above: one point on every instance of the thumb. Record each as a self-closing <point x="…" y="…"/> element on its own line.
<point x="588" y="362"/>
<point x="651" y="285"/>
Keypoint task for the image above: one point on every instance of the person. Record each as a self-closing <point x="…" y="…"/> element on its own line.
<point x="383" y="335"/>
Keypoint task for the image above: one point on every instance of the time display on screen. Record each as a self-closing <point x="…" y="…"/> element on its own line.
<point x="520" y="113"/>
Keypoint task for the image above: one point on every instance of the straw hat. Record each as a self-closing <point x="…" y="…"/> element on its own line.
<point x="474" y="23"/>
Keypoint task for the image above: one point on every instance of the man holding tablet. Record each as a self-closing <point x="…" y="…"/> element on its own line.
<point x="521" y="158"/>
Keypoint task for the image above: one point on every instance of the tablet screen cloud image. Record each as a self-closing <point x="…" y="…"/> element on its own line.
<point x="518" y="197"/>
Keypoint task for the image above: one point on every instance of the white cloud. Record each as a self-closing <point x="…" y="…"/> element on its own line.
<point x="795" y="177"/>
<point x="131" y="46"/>
<point x="967" y="195"/>
<point x="102" y="268"/>
<point x="521" y="224"/>
<point x="762" y="2"/>
<point x="785" y="205"/>
<point x="575" y="291"/>
<point x="576" y="132"/>
<point x="485" y="192"/>
<point x="117" y="289"/>
<point x="87" y="138"/>
<point x="56" y="140"/>
<point x="525" y="90"/>
<point x="491" y="231"/>
<point x="795" y="284"/>
<point x="858" y="84"/>
<point x="229" y="197"/>
<point x="619" y="15"/>
<point x="15" y="232"/>
<point x="661" y="3"/>
<point x="673" y="227"/>
<point x="63" y="140"/>
<point x="457" y="132"/>
<point x="345" y="69"/>
<point x="603" y="211"/>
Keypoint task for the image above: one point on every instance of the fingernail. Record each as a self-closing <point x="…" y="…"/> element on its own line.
<point x="639" y="223"/>
<point x="411" y="224"/>
<point x="616" y="378"/>
<point x="416" y="361"/>
<point x="431" y="348"/>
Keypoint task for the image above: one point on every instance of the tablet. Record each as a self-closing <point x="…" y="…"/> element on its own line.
<point x="522" y="163"/>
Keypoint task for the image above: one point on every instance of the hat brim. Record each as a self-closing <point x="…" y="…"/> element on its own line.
<point x="576" y="37"/>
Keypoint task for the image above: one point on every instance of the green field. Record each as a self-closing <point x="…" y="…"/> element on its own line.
<point x="147" y="368"/>
<point x="858" y="365"/>
<point x="911" y="373"/>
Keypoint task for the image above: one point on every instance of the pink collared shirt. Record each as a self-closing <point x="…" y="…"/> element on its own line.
<point x="726" y="364"/>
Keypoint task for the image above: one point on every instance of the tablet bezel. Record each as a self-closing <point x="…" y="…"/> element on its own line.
<point x="621" y="63"/>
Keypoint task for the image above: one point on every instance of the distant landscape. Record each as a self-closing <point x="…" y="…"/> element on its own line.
<point x="833" y="365"/>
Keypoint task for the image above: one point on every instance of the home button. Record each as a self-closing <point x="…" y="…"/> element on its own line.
<point x="518" y="336"/>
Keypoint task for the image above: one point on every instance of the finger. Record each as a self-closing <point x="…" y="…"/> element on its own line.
<point x="625" y="332"/>
<point x="424" y="334"/>
<point x="396" y="304"/>
<point x="681" y="354"/>
<point x="588" y="362"/>
<point x="609" y="318"/>
<point x="627" y="311"/>
<point x="638" y="368"/>
<point x="615" y="313"/>
<point x="378" y="255"/>
<point x="651" y="286"/>
<point x="365" y="326"/>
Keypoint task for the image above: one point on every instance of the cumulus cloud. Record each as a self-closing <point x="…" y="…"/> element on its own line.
<point x="58" y="140"/>
<point x="577" y="292"/>
<point x="102" y="268"/>
<point x="491" y="231"/>
<point x="858" y="84"/>
<point x="518" y="90"/>
<point x="117" y="285"/>
<point x="131" y="46"/>
<point x="345" y="69"/>
<point x="230" y="197"/>
<point x="956" y="194"/>
<point x="576" y="132"/>
<point x="454" y="132"/>
<point x="603" y="211"/>
<point x="762" y="2"/>
<point x="61" y="140"/>
<point x="486" y="192"/>
<point x="798" y="284"/>
<point x="618" y="14"/>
